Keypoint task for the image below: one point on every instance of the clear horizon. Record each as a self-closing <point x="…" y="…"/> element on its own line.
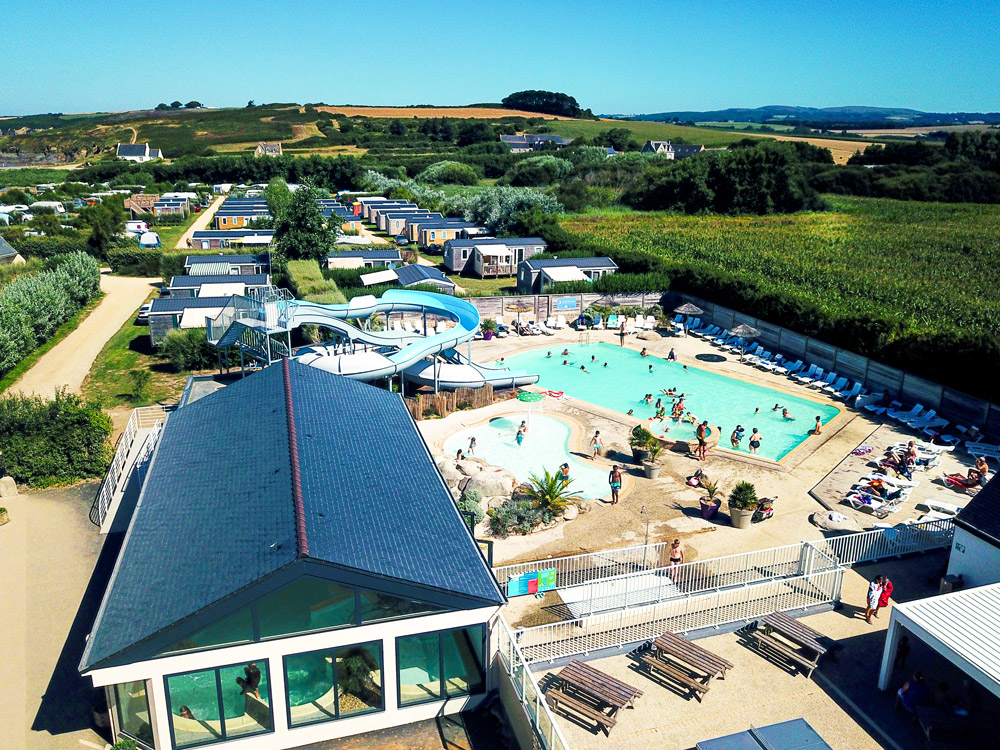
<point x="639" y="58"/>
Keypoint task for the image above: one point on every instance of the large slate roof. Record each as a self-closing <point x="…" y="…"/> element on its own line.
<point x="982" y="515"/>
<point x="218" y="511"/>
<point x="415" y="274"/>
<point x="189" y="282"/>
<point x="537" y="264"/>
<point x="192" y="260"/>
<point x="368" y="254"/>
<point x="180" y="304"/>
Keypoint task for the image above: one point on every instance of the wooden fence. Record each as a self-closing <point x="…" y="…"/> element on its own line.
<point x="422" y="405"/>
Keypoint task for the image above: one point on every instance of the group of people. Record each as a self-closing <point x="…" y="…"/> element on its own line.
<point x="879" y="591"/>
<point x="916" y="692"/>
<point x="977" y="476"/>
<point x="737" y="438"/>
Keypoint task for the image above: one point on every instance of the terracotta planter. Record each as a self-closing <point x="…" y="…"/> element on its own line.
<point x="652" y="470"/>
<point x="741" y="518"/>
<point x="709" y="508"/>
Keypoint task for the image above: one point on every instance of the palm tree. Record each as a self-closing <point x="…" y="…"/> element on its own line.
<point x="550" y="492"/>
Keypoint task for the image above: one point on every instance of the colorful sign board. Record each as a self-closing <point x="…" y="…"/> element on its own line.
<point x="535" y="582"/>
<point x="567" y="303"/>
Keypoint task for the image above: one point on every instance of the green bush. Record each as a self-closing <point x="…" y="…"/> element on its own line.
<point x="46" y="247"/>
<point x="135" y="261"/>
<point x="469" y="502"/>
<point x="48" y="441"/>
<point x="449" y="173"/>
<point x="188" y="349"/>
<point x="125" y="743"/>
<point x="514" y="516"/>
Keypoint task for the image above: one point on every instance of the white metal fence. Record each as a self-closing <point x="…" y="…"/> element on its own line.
<point x="879" y="544"/>
<point x="142" y="418"/>
<point x="512" y="662"/>
<point x="741" y="604"/>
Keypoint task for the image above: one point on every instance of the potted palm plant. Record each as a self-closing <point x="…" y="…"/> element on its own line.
<point x="639" y="442"/>
<point x="742" y="504"/>
<point x="489" y="327"/>
<point x="651" y="466"/>
<point x="550" y="493"/>
<point x="710" y="502"/>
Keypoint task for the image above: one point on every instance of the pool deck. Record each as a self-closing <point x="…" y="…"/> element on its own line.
<point x="672" y="505"/>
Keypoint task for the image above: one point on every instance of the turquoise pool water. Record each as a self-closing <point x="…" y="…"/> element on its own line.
<point x="545" y="447"/>
<point x="198" y="691"/>
<point x="722" y="400"/>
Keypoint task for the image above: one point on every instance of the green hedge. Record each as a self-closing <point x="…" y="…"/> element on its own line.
<point x="49" y="441"/>
<point x="135" y="261"/>
<point x="33" y="307"/>
<point x="46" y="247"/>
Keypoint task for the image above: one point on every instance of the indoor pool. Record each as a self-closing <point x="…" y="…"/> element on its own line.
<point x="545" y="447"/>
<point x="199" y="692"/>
<point x="722" y="400"/>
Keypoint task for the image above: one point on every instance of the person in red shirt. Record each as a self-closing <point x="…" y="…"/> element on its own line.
<point x="883" y="599"/>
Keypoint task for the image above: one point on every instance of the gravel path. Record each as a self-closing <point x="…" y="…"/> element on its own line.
<point x="202" y="222"/>
<point x="69" y="361"/>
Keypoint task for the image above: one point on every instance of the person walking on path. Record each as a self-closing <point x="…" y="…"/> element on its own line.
<point x="874" y="592"/>
<point x="615" y="480"/>
<point x="883" y="598"/>
<point x="595" y="444"/>
<point x="702" y="433"/>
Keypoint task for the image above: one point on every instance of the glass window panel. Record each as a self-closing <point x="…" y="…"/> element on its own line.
<point x="377" y="606"/>
<point x="462" y="651"/>
<point x="418" y="659"/>
<point x="246" y="701"/>
<point x="194" y="708"/>
<point x="133" y="710"/>
<point x="307" y="604"/>
<point x="234" y="628"/>
<point x="309" y="682"/>
<point x="359" y="679"/>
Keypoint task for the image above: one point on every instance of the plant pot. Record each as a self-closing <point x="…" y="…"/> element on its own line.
<point x="709" y="508"/>
<point x="639" y="455"/>
<point x="488" y="335"/>
<point x="652" y="470"/>
<point x="740" y="518"/>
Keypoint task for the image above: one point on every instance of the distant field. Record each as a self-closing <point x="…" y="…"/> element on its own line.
<point x="742" y="126"/>
<point x="930" y="265"/>
<point x="912" y="132"/>
<point x="479" y="113"/>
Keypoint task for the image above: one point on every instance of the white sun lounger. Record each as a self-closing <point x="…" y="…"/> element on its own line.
<point x="868" y="504"/>
<point x="902" y="416"/>
<point x="650" y="323"/>
<point x="894" y="481"/>
<point x="983" y="449"/>
<point x="408" y="327"/>
<point x="847" y="395"/>
<point x="809" y="375"/>
<point x="825" y="381"/>
<point x="630" y="325"/>
<point x="876" y="409"/>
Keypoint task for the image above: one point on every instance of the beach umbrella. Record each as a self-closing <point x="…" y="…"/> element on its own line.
<point x="688" y="310"/>
<point x="529" y="397"/>
<point x="744" y="332"/>
<point x="519" y="307"/>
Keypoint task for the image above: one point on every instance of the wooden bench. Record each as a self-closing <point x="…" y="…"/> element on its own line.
<point x="795" y="631"/>
<point x="692" y="654"/>
<point x="932" y="718"/>
<point x="661" y="667"/>
<point x="789" y="653"/>
<point x="557" y="699"/>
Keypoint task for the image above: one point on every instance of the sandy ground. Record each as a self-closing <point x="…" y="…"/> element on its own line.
<point x="50" y="551"/>
<point x="672" y="506"/>
<point x="69" y="361"/>
<point x="483" y="113"/>
<point x="202" y="222"/>
<point x="841" y="701"/>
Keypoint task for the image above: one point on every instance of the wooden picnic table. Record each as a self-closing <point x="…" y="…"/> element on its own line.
<point x="795" y="631"/>
<point x="691" y="654"/>
<point x="589" y="692"/>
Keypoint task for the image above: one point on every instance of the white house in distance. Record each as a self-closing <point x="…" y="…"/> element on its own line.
<point x="268" y="149"/>
<point x="137" y="152"/>
<point x="282" y="584"/>
<point x="659" y="147"/>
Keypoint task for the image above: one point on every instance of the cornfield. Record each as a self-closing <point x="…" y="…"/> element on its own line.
<point x="932" y="266"/>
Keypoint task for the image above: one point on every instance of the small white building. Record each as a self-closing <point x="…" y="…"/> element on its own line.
<point x="975" y="549"/>
<point x="137" y="152"/>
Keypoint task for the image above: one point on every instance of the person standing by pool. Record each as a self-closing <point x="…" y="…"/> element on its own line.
<point x="472" y="446"/>
<point x="615" y="480"/>
<point x="818" y="429"/>
<point x="564" y="472"/>
<point x="523" y="427"/>
<point x="676" y="553"/>
<point x="755" y="439"/>
<point x="737" y="436"/>
<point x="672" y="357"/>
<point x="702" y="433"/>
<point x="595" y="444"/>
<point x="621" y="336"/>
<point x="459" y="455"/>
<point x="874" y="594"/>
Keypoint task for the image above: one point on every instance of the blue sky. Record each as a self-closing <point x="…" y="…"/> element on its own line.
<point x="626" y="57"/>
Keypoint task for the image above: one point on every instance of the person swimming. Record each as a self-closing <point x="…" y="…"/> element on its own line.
<point x="650" y="368"/>
<point x="643" y="353"/>
<point x="548" y="355"/>
<point x="776" y="407"/>
<point x="605" y="364"/>
<point x="565" y="352"/>
<point x="585" y="369"/>
<point x="787" y="415"/>
<point x="565" y="362"/>
<point x="593" y="358"/>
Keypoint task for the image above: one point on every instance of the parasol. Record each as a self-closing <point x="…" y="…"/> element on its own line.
<point x="519" y="307"/>
<point x="529" y="397"/>
<point x="688" y="309"/>
<point x="744" y="332"/>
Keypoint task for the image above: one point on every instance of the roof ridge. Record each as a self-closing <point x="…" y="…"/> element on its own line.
<point x="301" y="541"/>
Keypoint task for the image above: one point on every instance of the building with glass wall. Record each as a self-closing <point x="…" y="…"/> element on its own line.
<point x="295" y="570"/>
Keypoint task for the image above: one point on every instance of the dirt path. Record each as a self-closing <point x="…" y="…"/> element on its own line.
<point x="69" y="361"/>
<point x="376" y="240"/>
<point x="202" y="222"/>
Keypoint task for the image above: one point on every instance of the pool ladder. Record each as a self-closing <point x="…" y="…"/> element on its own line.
<point x="583" y="337"/>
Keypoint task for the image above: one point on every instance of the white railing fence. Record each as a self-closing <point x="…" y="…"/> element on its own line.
<point x="512" y="662"/>
<point x="878" y="544"/>
<point x="626" y="626"/>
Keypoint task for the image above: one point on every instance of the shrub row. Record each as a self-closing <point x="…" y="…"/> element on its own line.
<point x="33" y="307"/>
<point x="47" y="247"/>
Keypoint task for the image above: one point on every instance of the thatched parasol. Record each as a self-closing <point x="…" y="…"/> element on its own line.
<point x="744" y="332"/>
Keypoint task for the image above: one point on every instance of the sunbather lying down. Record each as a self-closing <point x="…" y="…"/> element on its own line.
<point x="964" y="481"/>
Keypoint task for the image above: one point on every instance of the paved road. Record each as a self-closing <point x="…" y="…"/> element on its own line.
<point x="69" y="361"/>
<point x="202" y="222"/>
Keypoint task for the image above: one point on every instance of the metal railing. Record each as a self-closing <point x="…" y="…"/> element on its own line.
<point x="627" y="626"/>
<point x="142" y="418"/>
<point x="878" y="544"/>
<point x="512" y="661"/>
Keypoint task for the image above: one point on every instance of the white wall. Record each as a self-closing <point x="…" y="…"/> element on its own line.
<point x="273" y="651"/>
<point x="976" y="560"/>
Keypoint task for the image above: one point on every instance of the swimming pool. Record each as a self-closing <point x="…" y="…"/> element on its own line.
<point x="545" y="447"/>
<point x="722" y="400"/>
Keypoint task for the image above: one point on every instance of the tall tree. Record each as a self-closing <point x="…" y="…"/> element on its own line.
<point x="107" y="222"/>
<point x="279" y="198"/>
<point x="301" y="233"/>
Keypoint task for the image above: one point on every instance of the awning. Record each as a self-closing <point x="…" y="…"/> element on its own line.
<point x="194" y="317"/>
<point x="348" y="239"/>
<point x="222" y="290"/>
<point x="257" y="239"/>
<point x="209" y="269"/>
<point x="379" y="277"/>
<point x="963" y="627"/>
<point x="565" y="273"/>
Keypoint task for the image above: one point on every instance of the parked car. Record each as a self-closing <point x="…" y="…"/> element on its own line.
<point x="143" y="318"/>
<point x="401" y="239"/>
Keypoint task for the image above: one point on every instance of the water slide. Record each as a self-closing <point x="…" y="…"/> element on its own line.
<point x="386" y="353"/>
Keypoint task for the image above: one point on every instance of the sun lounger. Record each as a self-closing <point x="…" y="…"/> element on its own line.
<point x="561" y="321"/>
<point x="934" y="427"/>
<point x="408" y="327"/>
<point x="868" y="504"/>
<point x="894" y="481"/>
<point x="651" y="323"/>
<point x="630" y="325"/>
<point x="809" y="375"/>
<point x="902" y="416"/>
<point x="792" y="369"/>
<point x="847" y="395"/>
<point x="612" y="322"/>
<point x="956" y="436"/>
<point x="918" y="422"/>
<point x="923" y="447"/>
<point x="938" y="506"/>
<point x="983" y="449"/>
<point x="823" y="381"/>
<point x="772" y="364"/>
<point x="708" y="330"/>
<point x="545" y="329"/>
<point x="782" y="367"/>
<point x="551" y="323"/>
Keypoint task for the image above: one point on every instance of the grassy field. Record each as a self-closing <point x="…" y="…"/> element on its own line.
<point x="479" y="113"/>
<point x="484" y="287"/>
<point x="743" y="126"/>
<point x="170" y="233"/>
<point x="109" y="382"/>
<point x="930" y="265"/>
<point x="644" y="131"/>
<point x="30" y="176"/>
